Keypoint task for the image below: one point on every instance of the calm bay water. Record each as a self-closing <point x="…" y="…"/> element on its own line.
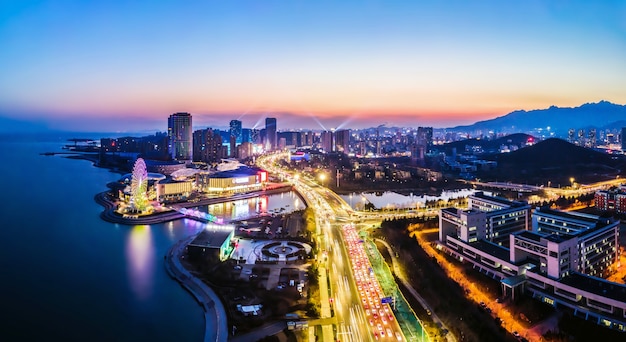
<point x="66" y="274"/>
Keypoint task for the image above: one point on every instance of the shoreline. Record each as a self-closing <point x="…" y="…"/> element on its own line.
<point x="213" y="308"/>
<point x="110" y="215"/>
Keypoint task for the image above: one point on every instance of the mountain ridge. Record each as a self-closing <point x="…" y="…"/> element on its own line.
<point x="601" y="115"/>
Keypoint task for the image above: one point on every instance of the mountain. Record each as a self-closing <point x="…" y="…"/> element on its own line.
<point x="488" y="145"/>
<point x="556" y="160"/>
<point x="555" y="152"/>
<point x="603" y="114"/>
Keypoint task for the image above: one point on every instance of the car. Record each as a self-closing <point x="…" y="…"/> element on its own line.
<point x="398" y="336"/>
<point x="516" y="334"/>
<point x="389" y="332"/>
<point x="237" y="267"/>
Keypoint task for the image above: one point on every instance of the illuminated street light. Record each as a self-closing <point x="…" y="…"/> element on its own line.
<point x="322" y="178"/>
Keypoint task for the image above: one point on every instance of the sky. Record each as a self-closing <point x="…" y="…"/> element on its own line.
<point x="127" y="65"/>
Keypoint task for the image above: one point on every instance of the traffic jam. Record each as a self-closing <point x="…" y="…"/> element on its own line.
<point x="375" y="304"/>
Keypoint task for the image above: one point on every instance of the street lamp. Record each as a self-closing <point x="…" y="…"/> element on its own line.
<point x="322" y="178"/>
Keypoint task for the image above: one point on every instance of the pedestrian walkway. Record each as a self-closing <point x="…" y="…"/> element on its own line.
<point x="216" y="328"/>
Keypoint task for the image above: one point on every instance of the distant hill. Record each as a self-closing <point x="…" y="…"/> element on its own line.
<point x="556" y="160"/>
<point x="603" y="114"/>
<point x="555" y="152"/>
<point x="488" y="145"/>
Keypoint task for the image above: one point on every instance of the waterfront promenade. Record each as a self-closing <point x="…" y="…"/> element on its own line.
<point x="216" y="328"/>
<point x="111" y="215"/>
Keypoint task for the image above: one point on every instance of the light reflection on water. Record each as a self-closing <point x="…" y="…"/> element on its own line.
<point x="390" y="198"/>
<point x="140" y="255"/>
<point x="141" y="241"/>
<point x="282" y="203"/>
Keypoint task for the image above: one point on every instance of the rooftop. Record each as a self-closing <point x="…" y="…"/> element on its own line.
<point x="504" y="201"/>
<point x="597" y="286"/>
<point x="557" y="238"/>
<point x="514" y="280"/>
<point x="242" y="171"/>
<point x="530" y="235"/>
<point x="211" y="238"/>
<point x="169" y="180"/>
<point x="568" y="215"/>
<point x="497" y="251"/>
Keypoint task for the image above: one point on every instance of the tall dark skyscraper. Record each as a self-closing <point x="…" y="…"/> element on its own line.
<point x="327" y="141"/>
<point x="270" y="134"/>
<point x="623" y="139"/>
<point x="207" y="146"/>
<point x="235" y="130"/>
<point x="179" y="132"/>
<point x="342" y="140"/>
<point x="424" y="136"/>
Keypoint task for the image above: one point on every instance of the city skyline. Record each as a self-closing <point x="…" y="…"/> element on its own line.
<point x="122" y="67"/>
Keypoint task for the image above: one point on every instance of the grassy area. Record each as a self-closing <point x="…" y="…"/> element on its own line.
<point x="313" y="294"/>
<point x="407" y="319"/>
<point x="445" y="296"/>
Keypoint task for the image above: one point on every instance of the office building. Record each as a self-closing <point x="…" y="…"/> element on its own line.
<point x="611" y="200"/>
<point x="623" y="139"/>
<point x="326" y="141"/>
<point x="560" y="262"/>
<point x="271" y="137"/>
<point x="488" y="218"/>
<point x="207" y="146"/>
<point x="236" y="130"/>
<point x="342" y="141"/>
<point x="179" y="132"/>
<point x="424" y="136"/>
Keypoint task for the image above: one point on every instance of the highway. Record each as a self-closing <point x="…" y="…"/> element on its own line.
<point x="553" y="193"/>
<point x="353" y="295"/>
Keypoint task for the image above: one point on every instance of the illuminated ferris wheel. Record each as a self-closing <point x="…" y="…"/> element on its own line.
<point x="139" y="185"/>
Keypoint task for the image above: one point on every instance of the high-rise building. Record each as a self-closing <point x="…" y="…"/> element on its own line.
<point x="179" y="132"/>
<point x="235" y="130"/>
<point x="255" y="136"/>
<point x="342" y="140"/>
<point x="623" y="139"/>
<point x="488" y="218"/>
<point x="424" y="136"/>
<point x="581" y="137"/>
<point x="327" y="141"/>
<point x="246" y="135"/>
<point x="207" y="146"/>
<point x="270" y="134"/>
<point x="592" y="141"/>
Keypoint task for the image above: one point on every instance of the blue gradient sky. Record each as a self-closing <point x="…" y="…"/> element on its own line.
<point x="120" y="65"/>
